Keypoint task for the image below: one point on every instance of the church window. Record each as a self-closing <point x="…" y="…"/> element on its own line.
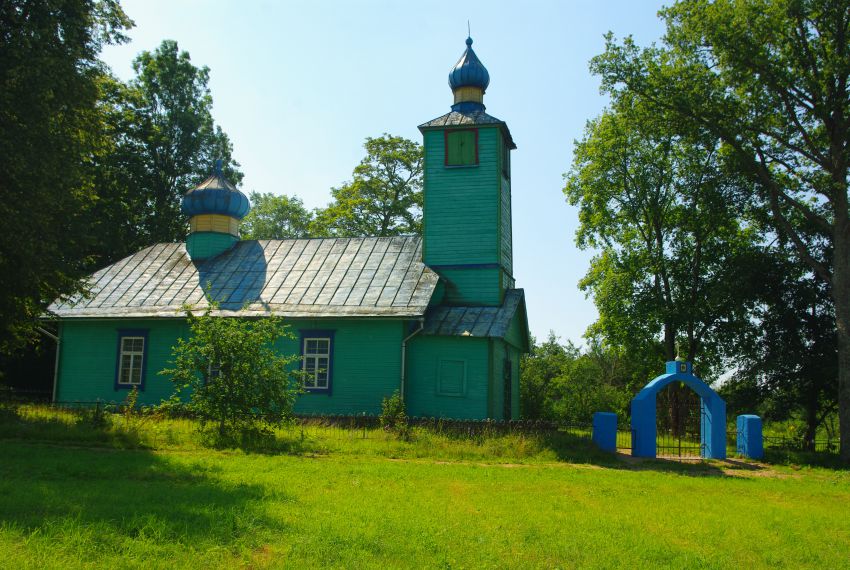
<point x="462" y="147"/>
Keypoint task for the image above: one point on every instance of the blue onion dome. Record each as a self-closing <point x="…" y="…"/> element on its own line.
<point x="469" y="71"/>
<point x="216" y="195"/>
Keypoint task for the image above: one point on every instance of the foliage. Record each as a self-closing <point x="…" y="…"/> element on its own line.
<point x="384" y="197"/>
<point x="562" y="383"/>
<point x="229" y="374"/>
<point x="49" y="130"/>
<point x="665" y="215"/>
<point x="276" y="217"/>
<point x="769" y="78"/>
<point x="394" y="413"/>
<point x="788" y="369"/>
<point x="162" y="141"/>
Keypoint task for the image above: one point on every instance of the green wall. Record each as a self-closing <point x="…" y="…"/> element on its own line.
<point x="424" y="358"/>
<point x="203" y="245"/>
<point x="366" y="362"/>
<point x="467" y="220"/>
<point x="89" y="354"/>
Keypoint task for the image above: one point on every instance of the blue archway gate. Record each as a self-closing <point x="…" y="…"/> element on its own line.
<point x="712" y="422"/>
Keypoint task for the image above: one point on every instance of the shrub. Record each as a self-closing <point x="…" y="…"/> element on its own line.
<point x="228" y="374"/>
<point x="393" y="414"/>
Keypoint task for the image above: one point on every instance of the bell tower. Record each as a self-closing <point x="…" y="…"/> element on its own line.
<point x="467" y="192"/>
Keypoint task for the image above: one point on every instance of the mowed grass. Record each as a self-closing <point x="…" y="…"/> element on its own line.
<point x="335" y="500"/>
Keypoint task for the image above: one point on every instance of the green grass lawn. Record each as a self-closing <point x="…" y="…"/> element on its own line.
<point x="150" y="495"/>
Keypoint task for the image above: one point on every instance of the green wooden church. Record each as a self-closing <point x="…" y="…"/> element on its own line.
<point x="435" y="316"/>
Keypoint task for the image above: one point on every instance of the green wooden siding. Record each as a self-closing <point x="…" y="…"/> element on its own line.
<point x="427" y="356"/>
<point x="203" y="245"/>
<point x="366" y="362"/>
<point x="461" y="204"/>
<point x="366" y="365"/>
<point x="467" y="215"/>
<point x="89" y="354"/>
<point x="472" y="286"/>
<point x="506" y="231"/>
<point x="497" y="395"/>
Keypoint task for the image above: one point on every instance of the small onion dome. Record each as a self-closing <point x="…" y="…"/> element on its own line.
<point x="216" y="195"/>
<point x="469" y="71"/>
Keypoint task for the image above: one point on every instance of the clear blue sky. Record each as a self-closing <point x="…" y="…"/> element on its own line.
<point x="299" y="85"/>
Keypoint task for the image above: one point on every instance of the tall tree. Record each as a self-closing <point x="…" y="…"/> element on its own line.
<point x="163" y="140"/>
<point x="791" y="358"/>
<point x="665" y="217"/>
<point x="177" y="135"/>
<point x="384" y="197"/>
<point x="49" y="130"/>
<point x="771" y="79"/>
<point x="276" y="217"/>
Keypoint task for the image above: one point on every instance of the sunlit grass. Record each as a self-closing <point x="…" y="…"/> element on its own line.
<point x="149" y="494"/>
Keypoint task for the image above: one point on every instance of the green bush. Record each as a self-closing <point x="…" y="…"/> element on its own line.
<point x="229" y="376"/>
<point x="394" y="414"/>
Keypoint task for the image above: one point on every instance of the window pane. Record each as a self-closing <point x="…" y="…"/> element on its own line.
<point x="321" y="382"/>
<point x="323" y="363"/>
<point x="323" y="346"/>
<point x="312" y="347"/>
<point x="310" y="364"/>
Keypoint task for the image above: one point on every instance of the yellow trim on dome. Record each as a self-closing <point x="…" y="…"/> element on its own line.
<point x="214" y="223"/>
<point x="469" y="94"/>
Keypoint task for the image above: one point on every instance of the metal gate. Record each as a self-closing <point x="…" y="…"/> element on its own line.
<point x="678" y="416"/>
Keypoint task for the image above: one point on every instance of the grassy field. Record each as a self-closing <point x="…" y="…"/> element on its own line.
<point x="147" y="493"/>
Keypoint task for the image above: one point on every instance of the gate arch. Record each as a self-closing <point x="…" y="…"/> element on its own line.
<point x="712" y="423"/>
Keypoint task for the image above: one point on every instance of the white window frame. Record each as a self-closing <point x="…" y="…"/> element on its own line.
<point x="310" y="378"/>
<point x="213" y="371"/>
<point x="137" y="361"/>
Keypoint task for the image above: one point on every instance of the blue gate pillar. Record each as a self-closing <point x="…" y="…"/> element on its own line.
<point x="750" y="441"/>
<point x="712" y="424"/>
<point x="605" y="431"/>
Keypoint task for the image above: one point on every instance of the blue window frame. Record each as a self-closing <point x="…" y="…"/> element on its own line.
<point x="131" y="359"/>
<point x="317" y="355"/>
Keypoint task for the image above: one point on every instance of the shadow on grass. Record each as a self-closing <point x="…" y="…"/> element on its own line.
<point x="84" y="494"/>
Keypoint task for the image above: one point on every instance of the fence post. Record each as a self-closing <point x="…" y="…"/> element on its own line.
<point x="750" y="441"/>
<point x="605" y="431"/>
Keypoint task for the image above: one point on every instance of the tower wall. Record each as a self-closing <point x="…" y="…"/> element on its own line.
<point x="467" y="219"/>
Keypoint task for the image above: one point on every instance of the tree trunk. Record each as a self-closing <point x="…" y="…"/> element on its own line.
<point x="841" y="296"/>
<point x="811" y="421"/>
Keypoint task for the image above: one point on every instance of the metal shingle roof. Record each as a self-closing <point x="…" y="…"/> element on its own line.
<point x="333" y="277"/>
<point x="467" y="118"/>
<point x="473" y="321"/>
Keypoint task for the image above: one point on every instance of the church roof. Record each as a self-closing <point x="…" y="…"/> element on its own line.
<point x="467" y="118"/>
<point x="332" y="277"/>
<point x="474" y="321"/>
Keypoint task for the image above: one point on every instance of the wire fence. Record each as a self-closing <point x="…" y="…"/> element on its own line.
<point x="366" y="425"/>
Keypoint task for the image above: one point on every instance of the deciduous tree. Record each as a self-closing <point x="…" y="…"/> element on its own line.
<point x="384" y="197"/>
<point x="50" y="128"/>
<point x="276" y="217"/>
<point x="771" y="79"/>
